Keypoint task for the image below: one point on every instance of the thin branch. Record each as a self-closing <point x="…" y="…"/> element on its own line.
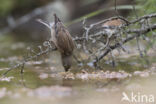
<point x="137" y="31"/>
<point x="99" y="37"/>
<point x="29" y="58"/>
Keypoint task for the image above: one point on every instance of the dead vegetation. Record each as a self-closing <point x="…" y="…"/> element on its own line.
<point x="101" y="38"/>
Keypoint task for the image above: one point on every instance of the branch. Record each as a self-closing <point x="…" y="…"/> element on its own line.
<point x="98" y="37"/>
<point x="138" y="33"/>
<point x="30" y="58"/>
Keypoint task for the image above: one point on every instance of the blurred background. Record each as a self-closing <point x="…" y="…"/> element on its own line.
<point x="19" y="30"/>
<point x="18" y="17"/>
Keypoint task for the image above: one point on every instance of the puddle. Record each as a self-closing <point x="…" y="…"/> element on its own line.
<point x="82" y="85"/>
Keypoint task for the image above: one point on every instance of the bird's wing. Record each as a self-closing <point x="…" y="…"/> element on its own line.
<point x="64" y="41"/>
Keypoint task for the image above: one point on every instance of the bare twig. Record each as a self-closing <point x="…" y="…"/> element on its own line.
<point x="28" y="59"/>
<point x="137" y="31"/>
<point x="109" y="42"/>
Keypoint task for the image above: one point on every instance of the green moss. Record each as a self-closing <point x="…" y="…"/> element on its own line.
<point x="148" y="6"/>
<point x="6" y="6"/>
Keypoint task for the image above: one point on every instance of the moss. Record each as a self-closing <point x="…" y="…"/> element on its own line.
<point x="6" y="6"/>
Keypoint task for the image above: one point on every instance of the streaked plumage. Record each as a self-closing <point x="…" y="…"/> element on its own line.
<point x="63" y="42"/>
<point x="112" y="26"/>
<point x="114" y="22"/>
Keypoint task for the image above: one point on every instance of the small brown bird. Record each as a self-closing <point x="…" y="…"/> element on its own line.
<point x="62" y="39"/>
<point x="114" y="22"/>
<point x="112" y="25"/>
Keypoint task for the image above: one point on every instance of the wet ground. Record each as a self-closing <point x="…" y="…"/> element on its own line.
<point x="132" y="76"/>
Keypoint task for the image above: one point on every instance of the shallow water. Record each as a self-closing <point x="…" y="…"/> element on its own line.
<point x="83" y="85"/>
<point x="49" y="91"/>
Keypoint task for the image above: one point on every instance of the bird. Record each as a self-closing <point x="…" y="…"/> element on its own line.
<point x="112" y="25"/>
<point x="63" y="41"/>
